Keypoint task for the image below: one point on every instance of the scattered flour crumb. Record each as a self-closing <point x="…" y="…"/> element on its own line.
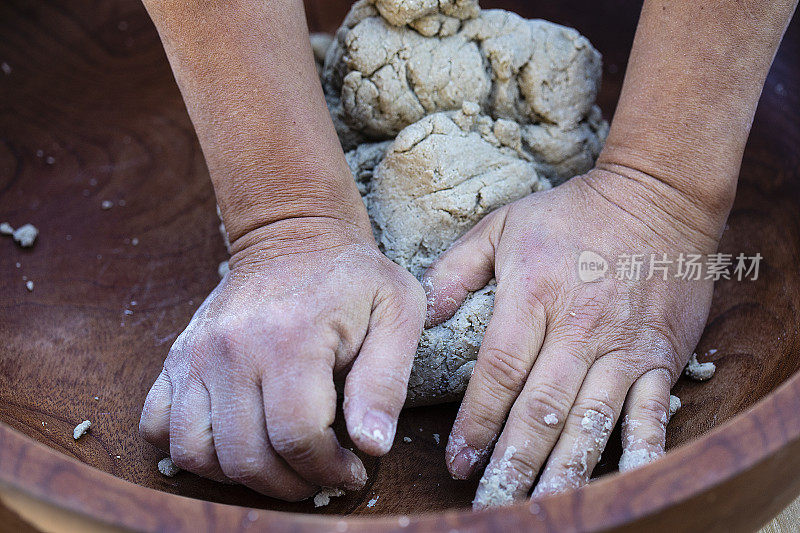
<point x="223" y="269"/>
<point x="403" y="521"/>
<point x="26" y="235"/>
<point x="699" y="371"/>
<point x="167" y="467"/>
<point x="372" y="502"/>
<point x="406" y="439"/>
<point x="81" y="429"/>
<point x="323" y="497"/>
<point x="106" y="205"/>
<point x="135" y="241"/>
<point x="6" y="229"/>
<point x="436" y="438"/>
<point x="674" y="405"/>
<point x="551" y="419"/>
<point x="29" y="285"/>
<point x="6" y="68"/>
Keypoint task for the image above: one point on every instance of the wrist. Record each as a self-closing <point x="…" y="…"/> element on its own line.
<point x="296" y="236"/>
<point x="682" y="218"/>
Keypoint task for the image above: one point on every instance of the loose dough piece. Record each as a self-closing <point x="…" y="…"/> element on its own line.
<point x="167" y="467"/>
<point x="223" y="269"/>
<point x="26" y="235"/>
<point x="6" y="229"/>
<point x="323" y="497"/>
<point x="81" y="429"/>
<point x="699" y="371"/>
<point x="674" y="405"/>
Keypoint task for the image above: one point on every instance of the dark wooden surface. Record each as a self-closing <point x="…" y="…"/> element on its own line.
<point x="90" y="88"/>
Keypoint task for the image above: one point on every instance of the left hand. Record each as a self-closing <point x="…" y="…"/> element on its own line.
<point x="562" y="358"/>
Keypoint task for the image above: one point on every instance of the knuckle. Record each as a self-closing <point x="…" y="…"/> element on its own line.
<point x="545" y="399"/>
<point x="190" y="460"/>
<point x="150" y="432"/>
<point x="650" y="409"/>
<point x="504" y="368"/>
<point x="244" y="470"/>
<point x="298" y="444"/>
<point x="596" y="411"/>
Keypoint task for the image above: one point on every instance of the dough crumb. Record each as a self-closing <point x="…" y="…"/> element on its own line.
<point x="699" y="371"/>
<point x="6" y="229"/>
<point x="167" y="467"/>
<point x="498" y="484"/>
<point x="551" y="419"/>
<point x="135" y="241"/>
<point x="406" y="439"/>
<point x="6" y="68"/>
<point x="372" y="502"/>
<point x="26" y="235"/>
<point x="323" y="497"/>
<point x="223" y="269"/>
<point x="674" y="405"/>
<point x="632" y="459"/>
<point x="81" y="429"/>
<point x="436" y="438"/>
<point x="29" y="286"/>
<point x="106" y="205"/>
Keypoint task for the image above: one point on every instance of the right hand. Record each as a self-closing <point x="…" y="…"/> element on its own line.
<point x="247" y="393"/>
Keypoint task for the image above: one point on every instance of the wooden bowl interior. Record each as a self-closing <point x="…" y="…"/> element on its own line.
<point x="90" y="112"/>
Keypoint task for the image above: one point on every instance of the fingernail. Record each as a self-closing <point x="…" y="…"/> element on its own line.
<point x="379" y="427"/>
<point x="463" y="464"/>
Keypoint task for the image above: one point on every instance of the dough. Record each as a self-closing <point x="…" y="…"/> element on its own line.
<point x="381" y="76"/>
<point x="323" y="497"/>
<point x="24" y="235"/>
<point x="81" y="429"/>
<point x="699" y="371"/>
<point x="167" y="467"/>
<point x="448" y="112"/>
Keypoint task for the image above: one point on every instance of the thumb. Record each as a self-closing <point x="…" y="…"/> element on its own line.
<point x="375" y="388"/>
<point x="465" y="267"/>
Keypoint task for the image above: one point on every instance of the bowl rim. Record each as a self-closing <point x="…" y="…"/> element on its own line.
<point x="774" y="419"/>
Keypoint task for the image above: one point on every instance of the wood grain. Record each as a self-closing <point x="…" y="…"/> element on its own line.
<point x="89" y="112"/>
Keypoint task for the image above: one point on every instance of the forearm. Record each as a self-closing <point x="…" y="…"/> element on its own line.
<point x="246" y="72"/>
<point x="694" y="78"/>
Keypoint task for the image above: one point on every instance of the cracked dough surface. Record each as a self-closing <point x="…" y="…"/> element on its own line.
<point x="448" y="112"/>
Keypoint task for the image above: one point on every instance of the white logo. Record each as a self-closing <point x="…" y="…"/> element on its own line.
<point x="591" y="266"/>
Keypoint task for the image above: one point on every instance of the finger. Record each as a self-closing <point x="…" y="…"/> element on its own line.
<point x="243" y="449"/>
<point x="465" y="267"/>
<point x="154" y="422"/>
<point x="191" y="443"/>
<point x="300" y="406"/>
<point x="507" y="354"/>
<point x="588" y="426"/>
<point x="535" y="421"/>
<point x="644" y="426"/>
<point x="376" y="386"/>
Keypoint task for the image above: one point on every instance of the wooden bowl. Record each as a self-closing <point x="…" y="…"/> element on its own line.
<point x="89" y="112"/>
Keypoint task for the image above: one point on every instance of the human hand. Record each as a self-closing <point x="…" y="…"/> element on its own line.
<point x="247" y="391"/>
<point x="561" y="357"/>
